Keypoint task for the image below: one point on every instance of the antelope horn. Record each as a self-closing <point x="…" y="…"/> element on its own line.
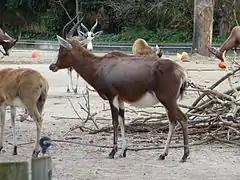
<point x="64" y="34"/>
<point x="94" y="26"/>
<point x="98" y="33"/>
<point x="80" y="33"/>
<point x="84" y="27"/>
<point x="73" y="29"/>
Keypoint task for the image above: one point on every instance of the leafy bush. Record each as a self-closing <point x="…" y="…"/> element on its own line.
<point x="160" y="36"/>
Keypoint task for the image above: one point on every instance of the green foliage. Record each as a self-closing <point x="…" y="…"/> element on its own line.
<point x="219" y="39"/>
<point x="31" y="34"/>
<point x="160" y="36"/>
<point x="50" y="20"/>
<point x="157" y="21"/>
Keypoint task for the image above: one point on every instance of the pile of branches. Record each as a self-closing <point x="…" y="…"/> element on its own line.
<point x="216" y="114"/>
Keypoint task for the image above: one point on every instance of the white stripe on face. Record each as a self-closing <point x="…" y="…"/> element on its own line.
<point x="90" y="46"/>
<point x="224" y="55"/>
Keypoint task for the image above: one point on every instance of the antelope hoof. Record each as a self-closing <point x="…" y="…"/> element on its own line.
<point x="123" y="154"/>
<point x="184" y="158"/>
<point x="35" y="153"/>
<point x="162" y="156"/>
<point x="112" y="153"/>
<point x="68" y="90"/>
<point x="75" y="90"/>
<point x="15" y="150"/>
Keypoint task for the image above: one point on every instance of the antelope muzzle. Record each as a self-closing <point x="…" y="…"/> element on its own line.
<point x="53" y="67"/>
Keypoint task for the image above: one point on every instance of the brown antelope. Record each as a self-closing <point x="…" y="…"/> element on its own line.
<point x="138" y="80"/>
<point x="141" y="47"/>
<point x="233" y="41"/>
<point x="81" y="35"/>
<point x="22" y="87"/>
<point x="7" y="42"/>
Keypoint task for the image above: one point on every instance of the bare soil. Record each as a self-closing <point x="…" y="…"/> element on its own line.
<point x="75" y="162"/>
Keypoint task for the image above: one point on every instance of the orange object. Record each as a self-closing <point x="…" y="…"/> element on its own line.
<point x="35" y="54"/>
<point x="184" y="56"/>
<point x="222" y="65"/>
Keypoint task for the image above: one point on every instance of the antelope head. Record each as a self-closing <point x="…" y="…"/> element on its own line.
<point x="66" y="56"/>
<point x="218" y="53"/>
<point x="89" y="34"/>
<point x="7" y="41"/>
<point x="10" y="41"/>
<point x="158" y="51"/>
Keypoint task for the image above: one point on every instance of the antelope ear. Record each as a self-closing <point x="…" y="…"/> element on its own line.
<point x="80" y="33"/>
<point x="98" y="33"/>
<point x="64" y="43"/>
<point x="85" y="41"/>
<point x="7" y="34"/>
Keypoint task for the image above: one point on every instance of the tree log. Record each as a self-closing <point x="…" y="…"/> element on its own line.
<point x="203" y="25"/>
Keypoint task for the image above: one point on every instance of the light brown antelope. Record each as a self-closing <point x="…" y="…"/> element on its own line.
<point x="141" y="48"/>
<point x="142" y="81"/>
<point x="22" y="87"/>
<point x="81" y="35"/>
<point x="7" y="42"/>
<point x="233" y="41"/>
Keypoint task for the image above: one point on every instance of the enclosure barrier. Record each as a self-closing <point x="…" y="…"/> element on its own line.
<point x="40" y="169"/>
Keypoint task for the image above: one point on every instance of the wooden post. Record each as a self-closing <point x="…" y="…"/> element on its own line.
<point x="41" y="168"/>
<point x="203" y="25"/>
<point x="14" y="171"/>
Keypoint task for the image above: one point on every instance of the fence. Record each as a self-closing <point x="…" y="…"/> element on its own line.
<point x="40" y="169"/>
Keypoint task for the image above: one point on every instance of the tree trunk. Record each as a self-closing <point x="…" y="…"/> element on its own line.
<point x="203" y="25"/>
<point x="225" y="23"/>
<point x="224" y="29"/>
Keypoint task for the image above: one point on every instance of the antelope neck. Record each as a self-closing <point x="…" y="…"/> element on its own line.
<point x="86" y="64"/>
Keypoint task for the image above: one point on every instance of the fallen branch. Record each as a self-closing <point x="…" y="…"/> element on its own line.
<point x="215" y="85"/>
<point x="225" y="141"/>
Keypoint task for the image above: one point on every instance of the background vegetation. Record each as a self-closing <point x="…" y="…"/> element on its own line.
<point x="121" y="20"/>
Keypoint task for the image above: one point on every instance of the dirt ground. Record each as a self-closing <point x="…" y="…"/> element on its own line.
<point x="75" y="162"/>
